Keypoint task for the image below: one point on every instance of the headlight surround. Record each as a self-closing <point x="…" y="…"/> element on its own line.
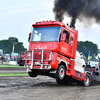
<point x="29" y="55"/>
<point x="50" y="56"/>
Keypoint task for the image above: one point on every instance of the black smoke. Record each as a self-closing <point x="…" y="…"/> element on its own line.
<point x="77" y="9"/>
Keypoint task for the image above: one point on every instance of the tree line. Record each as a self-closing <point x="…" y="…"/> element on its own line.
<point x="82" y="46"/>
<point x="7" y="45"/>
<point x="86" y="47"/>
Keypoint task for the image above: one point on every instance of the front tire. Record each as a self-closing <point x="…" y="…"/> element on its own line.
<point x="34" y="73"/>
<point x="60" y="74"/>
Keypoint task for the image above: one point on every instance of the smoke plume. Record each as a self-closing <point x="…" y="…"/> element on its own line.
<point x="77" y="9"/>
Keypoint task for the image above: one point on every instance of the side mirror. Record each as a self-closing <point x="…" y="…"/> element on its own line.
<point x="29" y="37"/>
<point x="63" y="37"/>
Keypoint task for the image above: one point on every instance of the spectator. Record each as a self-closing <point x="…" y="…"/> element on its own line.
<point x="99" y="60"/>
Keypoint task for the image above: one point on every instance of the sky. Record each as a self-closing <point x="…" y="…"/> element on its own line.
<point x="17" y="17"/>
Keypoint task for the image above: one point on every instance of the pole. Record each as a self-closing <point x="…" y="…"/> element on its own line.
<point x="13" y="51"/>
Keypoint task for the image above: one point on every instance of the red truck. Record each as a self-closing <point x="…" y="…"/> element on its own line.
<point x="52" y="52"/>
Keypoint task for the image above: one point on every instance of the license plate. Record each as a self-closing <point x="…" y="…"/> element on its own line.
<point x="37" y="62"/>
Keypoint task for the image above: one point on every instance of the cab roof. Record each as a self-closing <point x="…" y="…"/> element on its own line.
<point x="52" y="24"/>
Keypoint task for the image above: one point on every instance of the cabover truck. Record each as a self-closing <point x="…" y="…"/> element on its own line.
<point x="52" y="52"/>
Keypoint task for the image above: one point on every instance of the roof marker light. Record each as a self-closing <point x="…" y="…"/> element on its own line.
<point x="38" y="23"/>
<point x="54" y="22"/>
<point x="64" y="26"/>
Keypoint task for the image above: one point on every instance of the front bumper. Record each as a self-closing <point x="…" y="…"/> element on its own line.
<point x="38" y="59"/>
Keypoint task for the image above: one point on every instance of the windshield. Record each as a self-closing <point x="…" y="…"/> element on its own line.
<point x="45" y="34"/>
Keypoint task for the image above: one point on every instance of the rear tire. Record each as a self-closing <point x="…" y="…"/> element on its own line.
<point x="60" y="74"/>
<point x="87" y="80"/>
<point x="19" y="60"/>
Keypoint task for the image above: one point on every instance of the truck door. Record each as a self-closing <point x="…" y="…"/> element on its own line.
<point x="67" y="47"/>
<point x="64" y="45"/>
<point x="71" y="44"/>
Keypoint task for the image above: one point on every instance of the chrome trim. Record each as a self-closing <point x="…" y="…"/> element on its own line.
<point x="41" y="60"/>
<point x="32" y="63"/>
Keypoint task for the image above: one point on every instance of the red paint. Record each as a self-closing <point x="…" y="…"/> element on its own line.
<point x="61" y="50"/>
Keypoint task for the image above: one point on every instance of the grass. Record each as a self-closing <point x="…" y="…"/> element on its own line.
<point x="11" y="66"/>
<point x="14" y="74"/>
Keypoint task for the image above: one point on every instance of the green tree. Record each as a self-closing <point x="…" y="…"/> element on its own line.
<point x="87" y="46"/>
<point x="7" y="45"/>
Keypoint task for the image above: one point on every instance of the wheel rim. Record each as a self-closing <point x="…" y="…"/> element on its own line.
<point x="87" y="80"/>
<point x="61" y="72"/>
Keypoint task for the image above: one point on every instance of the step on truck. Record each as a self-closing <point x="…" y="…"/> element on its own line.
<point x="52" y="52"/>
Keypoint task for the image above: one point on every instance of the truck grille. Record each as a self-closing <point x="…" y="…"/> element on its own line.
<point x="38" y="55"/>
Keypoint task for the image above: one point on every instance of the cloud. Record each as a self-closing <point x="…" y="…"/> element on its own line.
<point x="17" y="17"/>
<point x="14" y="7"/>
<point x="10" y="10"/>
<point x="17" y="11"/>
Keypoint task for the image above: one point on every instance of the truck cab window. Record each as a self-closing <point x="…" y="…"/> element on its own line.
<point x="59" y="37"/>
<point x="44" y="34"/>
<point x="67" y="36"/>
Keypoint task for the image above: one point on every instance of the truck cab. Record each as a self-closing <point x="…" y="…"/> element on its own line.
<point x="52" y="52"/>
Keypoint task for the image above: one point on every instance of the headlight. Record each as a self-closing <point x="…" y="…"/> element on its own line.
<point x="29" y="55"/>
<point x="50" y="56"/>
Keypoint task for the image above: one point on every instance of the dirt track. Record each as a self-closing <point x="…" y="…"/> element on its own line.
<point x="12" y="70"/>
<point x="44" y="88"/>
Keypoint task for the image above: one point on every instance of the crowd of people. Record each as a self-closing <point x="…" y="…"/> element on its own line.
<point x="7" y="58"/>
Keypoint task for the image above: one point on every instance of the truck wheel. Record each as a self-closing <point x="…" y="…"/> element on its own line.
<point x="60" y="74"/>
<point x="34" y="73"/>
<point x="87" y="80"/>
<point x="19" y="60"/>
